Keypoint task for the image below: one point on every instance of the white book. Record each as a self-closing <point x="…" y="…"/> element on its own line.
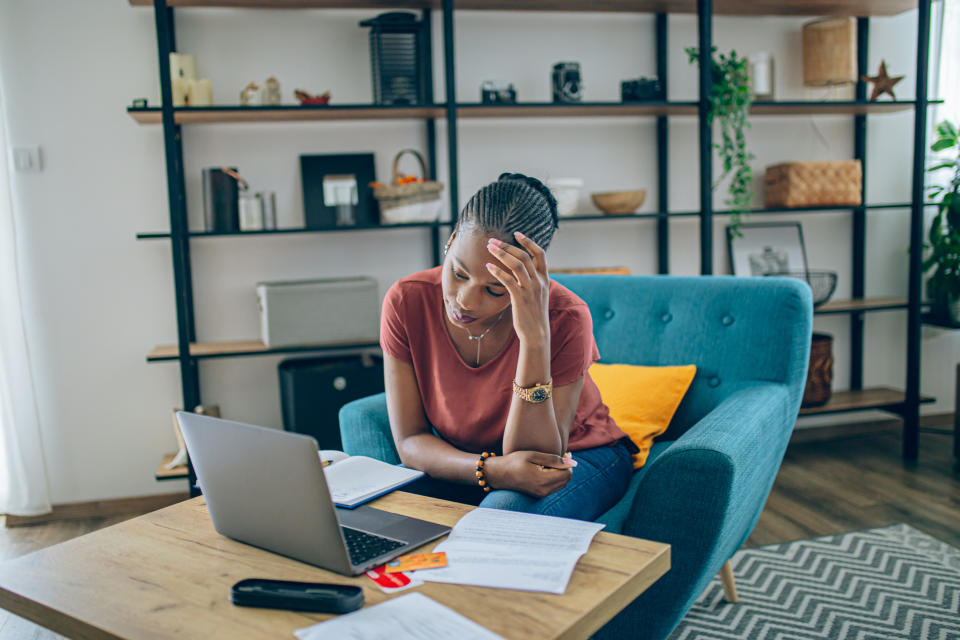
<point x="354" y="480"/>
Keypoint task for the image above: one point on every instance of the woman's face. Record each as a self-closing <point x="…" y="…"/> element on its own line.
<point x="472" y="297"/>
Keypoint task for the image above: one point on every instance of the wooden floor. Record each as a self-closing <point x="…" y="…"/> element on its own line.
<point x="822" y="488"/>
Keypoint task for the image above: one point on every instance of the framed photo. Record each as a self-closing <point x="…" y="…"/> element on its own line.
<point x="319" y="214"/>
<point x="763" y="248"/>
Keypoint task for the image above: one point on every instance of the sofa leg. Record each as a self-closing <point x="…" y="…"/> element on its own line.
<point x="729" y="587"/>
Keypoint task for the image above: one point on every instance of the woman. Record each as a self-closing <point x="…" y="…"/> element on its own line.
<point x="494" y="356"/>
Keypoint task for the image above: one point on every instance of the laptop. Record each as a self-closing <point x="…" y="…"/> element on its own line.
<point x="266" y="487"/>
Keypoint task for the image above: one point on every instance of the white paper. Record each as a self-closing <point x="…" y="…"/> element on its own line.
<point x="512" y="550"/>
<point x="357" y="479"/>
<point x="332" y="455"/>
<point x="409" y="617"/>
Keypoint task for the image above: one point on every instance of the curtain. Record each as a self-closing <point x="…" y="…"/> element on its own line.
<point x="23" y="475"/>
<point x="949" y="64"/>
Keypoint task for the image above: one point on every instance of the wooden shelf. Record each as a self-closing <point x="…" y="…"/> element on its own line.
<point x="207" y="350"/>
<point x="177" y="473"/>
<point x="830" y="107"/>
<point x="272" y="232"/>
<point x="866" y="304"/>
<point x="571" y="110"/>
<point x="284" y="113"/>
<point x="874" y="398"/>
<point x="469" y="111"/>
<point x="727" y="7"/>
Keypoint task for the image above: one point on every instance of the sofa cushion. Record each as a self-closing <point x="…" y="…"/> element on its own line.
<point x="642" y="400"/>
<point x="617" y="516"/>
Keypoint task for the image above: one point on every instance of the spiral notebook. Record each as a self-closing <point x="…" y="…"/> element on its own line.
<point x="355" y="480"/>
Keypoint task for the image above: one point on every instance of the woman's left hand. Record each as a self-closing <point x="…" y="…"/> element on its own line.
<point x="527" y="283"/>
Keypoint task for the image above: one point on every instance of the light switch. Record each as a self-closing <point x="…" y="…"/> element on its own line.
<point x="27" y="159"/>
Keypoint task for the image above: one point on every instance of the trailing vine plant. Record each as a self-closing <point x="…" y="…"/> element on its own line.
<point x="730" y="100"/>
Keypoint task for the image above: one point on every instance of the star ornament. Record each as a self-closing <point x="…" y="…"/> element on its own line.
<point x="882" y="83"/>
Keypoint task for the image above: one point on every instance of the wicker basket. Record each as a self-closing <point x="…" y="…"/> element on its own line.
<point x="813" y="184"/>
<point x="820" y="372"/>
<point x="412" y="202"/>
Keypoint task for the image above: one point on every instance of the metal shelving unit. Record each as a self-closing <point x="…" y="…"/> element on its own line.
<point x="187" y="352"/>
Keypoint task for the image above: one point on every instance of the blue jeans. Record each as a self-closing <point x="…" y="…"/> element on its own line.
<point x="597" y="483"/>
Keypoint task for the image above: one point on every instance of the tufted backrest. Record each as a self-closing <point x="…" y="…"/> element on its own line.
<point x="736" y="330"/>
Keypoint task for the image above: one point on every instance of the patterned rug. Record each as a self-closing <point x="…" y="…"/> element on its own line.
<point x="880" y="584"/>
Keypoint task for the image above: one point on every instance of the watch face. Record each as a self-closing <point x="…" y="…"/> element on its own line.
<point x="539" y="395"/>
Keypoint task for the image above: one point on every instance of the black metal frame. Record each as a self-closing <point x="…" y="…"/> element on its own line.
<point x="911" y="409"/>
<point x="180" y="235"/>
<point x="705" y="135"/>
<point x="176" y="192"/>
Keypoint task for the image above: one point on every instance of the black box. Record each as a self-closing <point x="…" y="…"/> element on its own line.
<point x="312" y="390"/>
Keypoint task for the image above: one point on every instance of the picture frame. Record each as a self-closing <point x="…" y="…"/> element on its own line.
<point x="763" y="248"/>
<point x="313" y="168"/>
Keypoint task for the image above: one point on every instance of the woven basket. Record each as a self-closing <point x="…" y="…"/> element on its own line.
<point x="413" y="202"/>
<point x="813" y="184"/>
<point x="820" y="372"/>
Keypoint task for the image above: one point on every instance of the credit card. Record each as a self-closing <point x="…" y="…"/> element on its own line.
<point x="392" y="582"/>
<point x="415" y="561"/>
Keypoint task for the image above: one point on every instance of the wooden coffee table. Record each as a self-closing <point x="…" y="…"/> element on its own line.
<point x="168" y="574"/>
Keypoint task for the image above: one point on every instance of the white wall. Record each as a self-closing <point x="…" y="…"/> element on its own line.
<point x="97" y="300"/>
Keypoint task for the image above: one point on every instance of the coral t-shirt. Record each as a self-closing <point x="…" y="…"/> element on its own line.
<point x="467" y="405"/>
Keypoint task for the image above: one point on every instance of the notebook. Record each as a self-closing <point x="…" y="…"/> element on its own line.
<point x="358" y="479"/>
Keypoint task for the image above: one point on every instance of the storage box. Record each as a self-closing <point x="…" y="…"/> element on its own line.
<point x="813" y="184"/>
<point x="314" y="312"/>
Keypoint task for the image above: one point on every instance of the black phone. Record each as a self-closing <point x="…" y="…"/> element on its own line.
<point x="297" y="596"/>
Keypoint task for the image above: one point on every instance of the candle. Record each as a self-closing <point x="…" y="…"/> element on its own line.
<point x="761" y="75"/>
<point x="183" y="69"/>
<point x="200" y="93"/>
<point x="178" y="87"/>
<point x="183" y="65"/>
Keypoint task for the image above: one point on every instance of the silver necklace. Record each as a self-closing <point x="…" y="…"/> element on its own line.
<point x="484" y="334"/>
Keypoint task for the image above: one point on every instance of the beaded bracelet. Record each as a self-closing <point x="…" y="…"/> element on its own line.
<point x="481" y="478"/>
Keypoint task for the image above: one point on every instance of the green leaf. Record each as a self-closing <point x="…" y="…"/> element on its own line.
<point x="943" y="143"/>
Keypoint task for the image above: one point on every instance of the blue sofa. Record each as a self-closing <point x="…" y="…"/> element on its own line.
<point x="707" y="478"/>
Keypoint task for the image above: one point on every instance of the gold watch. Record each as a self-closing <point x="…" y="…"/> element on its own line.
<point x="535" y="394"/>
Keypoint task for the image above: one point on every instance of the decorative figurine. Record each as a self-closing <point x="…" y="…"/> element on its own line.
<point x="271" y="91"/>
<point x="882" y="83"/>
<point x="305" y="97"/>
<point x="250" y="96"/>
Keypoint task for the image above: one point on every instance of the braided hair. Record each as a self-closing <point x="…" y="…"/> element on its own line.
<point x="514" y="202"/>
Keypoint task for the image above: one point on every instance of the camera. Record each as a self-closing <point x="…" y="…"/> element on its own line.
<point x="641" y="90"/>
<point x="567" y="84"/>
<point x="492" y="92"/>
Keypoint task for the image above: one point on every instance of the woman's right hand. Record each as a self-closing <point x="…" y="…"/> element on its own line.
<point x="531" y="472"/>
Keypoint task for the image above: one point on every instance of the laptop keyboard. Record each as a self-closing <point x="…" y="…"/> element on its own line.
<point x="364" y="546"/>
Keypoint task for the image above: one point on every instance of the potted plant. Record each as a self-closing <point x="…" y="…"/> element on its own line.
<point x="730" y="100"/>
<point x="943" y="246"/>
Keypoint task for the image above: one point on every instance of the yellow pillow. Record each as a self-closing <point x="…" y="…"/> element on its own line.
<point x="642" y="400"/>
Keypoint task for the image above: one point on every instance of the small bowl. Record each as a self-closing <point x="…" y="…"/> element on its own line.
<point x="619" y="202"/>
<point x="315" y="101"/>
